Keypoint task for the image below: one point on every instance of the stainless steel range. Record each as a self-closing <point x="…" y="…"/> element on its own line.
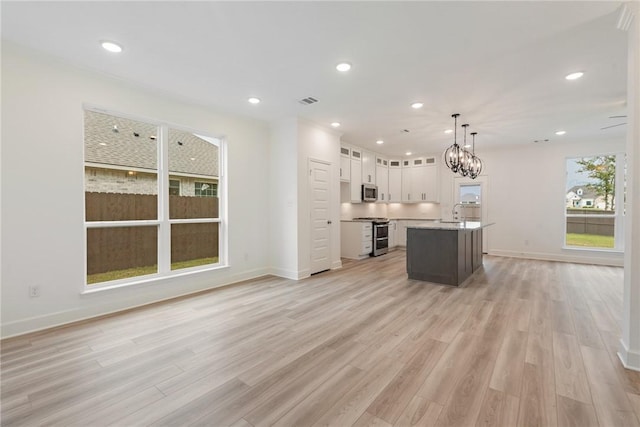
<point x="380" y="235"/>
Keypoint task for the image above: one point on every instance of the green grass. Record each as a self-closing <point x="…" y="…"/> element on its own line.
<point x="589" y="240"/>
<point x="142" y="271"/>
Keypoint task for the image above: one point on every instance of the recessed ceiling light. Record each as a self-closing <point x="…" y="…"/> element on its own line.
<point x="193" y="158"/>
<point x="102" y="143"/>
<point x="561" y="132"/>
<point x="448" y="131"/>
<point x="254" y="100"/>
<point x="417" y="105"/>
<point x="379" y="142"/>
<point x="335" y="124"/>
<point x="408" y="153"/>
<point x="343" y="66"/>
<point x="111" y="46"/>
<point x="574" y="76"/>
<point x="467" y="146"/>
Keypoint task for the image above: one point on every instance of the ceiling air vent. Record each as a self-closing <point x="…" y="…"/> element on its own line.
<point x="308" y="100"/>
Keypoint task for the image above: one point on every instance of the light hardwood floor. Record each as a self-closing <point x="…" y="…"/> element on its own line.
<point x="524" y="343"/>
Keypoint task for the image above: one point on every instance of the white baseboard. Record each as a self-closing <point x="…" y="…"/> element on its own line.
<point x="630" y="359"/>
<point x="613" y="262"/>
<point x="66" y="317"/>
<point x="285" y="274"/>
<point x="336" y="264"/>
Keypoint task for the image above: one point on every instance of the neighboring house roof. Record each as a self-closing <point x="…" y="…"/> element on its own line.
<point x="587" y="192"/>
<point x="188" y="154"/>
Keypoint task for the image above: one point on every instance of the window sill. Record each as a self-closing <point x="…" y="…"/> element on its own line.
<point x="586" y="249"/>
<point x="150" y="279"/>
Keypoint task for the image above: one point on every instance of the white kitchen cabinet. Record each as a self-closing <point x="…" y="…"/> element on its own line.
<point x="432" y="187"/>
<point x="395" y="181"/>
<point x="401" y="234"/>
<point x="420" y="180"/>
<point x="345" y="163"/>
<point x="356" y="175"/>
<point x="393" y="233"/>
<point x="407" y="182"/>
<point x="356" y="241"/>
<point x="368" y="167"/>
<point x="382" y="179"/>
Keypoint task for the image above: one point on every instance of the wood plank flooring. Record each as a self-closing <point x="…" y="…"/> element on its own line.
<point x="525" y="343"/>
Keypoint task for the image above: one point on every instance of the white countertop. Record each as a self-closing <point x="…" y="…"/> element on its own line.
<point x="451" y="225"/>
<point x="392" y="219"/>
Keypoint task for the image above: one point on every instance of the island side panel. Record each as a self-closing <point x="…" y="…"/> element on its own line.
<point x="465" y="255"/>
<point x="432" y="255"/>
<point x="477" y="249"/>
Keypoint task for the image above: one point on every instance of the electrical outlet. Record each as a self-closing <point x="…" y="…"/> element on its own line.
<point x="34" y="291"/>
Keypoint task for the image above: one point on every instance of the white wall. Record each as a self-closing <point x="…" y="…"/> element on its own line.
<point x="283" y="198"/>
<point x="317" y="143"/>
<point x="629" y="350"/>
<point x="42" y="190"/>
<point x="526" y="200"/>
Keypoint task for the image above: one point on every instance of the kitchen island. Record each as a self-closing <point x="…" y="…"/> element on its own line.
<point x="444" y="252"/>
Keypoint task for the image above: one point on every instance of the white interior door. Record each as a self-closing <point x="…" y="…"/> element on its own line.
<point x="467" y="190"/>
<point x="319" y="182"/>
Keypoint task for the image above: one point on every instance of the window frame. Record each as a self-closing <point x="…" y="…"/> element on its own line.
<point x="163" y="221"/>
<point x="619" y="213"/>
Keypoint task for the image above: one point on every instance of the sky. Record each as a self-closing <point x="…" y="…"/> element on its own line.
<point x="573" y="176"/>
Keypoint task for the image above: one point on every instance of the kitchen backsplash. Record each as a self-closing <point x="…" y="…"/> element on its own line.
<point x="390" y="210"/>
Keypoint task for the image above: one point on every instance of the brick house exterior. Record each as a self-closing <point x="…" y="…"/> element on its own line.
<point x="121" y="157"/>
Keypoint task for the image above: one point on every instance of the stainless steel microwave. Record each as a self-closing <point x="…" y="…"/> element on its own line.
<point x="369" y="193"/>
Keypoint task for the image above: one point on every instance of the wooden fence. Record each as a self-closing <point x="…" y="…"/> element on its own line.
<point x="583" y="224"/>
<point x="119" y="248"/>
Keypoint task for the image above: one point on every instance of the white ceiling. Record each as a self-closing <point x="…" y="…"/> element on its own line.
<point x="500" y="64"/>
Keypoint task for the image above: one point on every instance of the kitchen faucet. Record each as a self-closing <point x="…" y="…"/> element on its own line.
<point x="461" y="215"/>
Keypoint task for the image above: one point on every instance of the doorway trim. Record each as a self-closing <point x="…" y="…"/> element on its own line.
<point x="483" y="180"/>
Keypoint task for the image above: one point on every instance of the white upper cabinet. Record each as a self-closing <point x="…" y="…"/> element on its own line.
<point x="356" y="175"/>
<point x="431" y="183"/>
<point x="345" y="163"/>
<point x="382" y="179"/>
<point x="413" y="180"/>
<point x="368" y="167"/>
<point x="395" y="181"/>
<point x="420" y="180"/>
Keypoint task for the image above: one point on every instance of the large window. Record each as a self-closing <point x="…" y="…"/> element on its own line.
<point x="142" y="219"/>
<point x="593" y="191"/>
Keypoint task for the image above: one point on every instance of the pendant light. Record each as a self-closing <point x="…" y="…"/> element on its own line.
<point x="453" y="154"/>
<point x="475" y="167"/>
<point x="465" y="158"/>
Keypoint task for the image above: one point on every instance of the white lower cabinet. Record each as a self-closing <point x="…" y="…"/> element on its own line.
<point x="401" y="234"/>
<point x="356" y="239"/>
<point x="393" y="233"/>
